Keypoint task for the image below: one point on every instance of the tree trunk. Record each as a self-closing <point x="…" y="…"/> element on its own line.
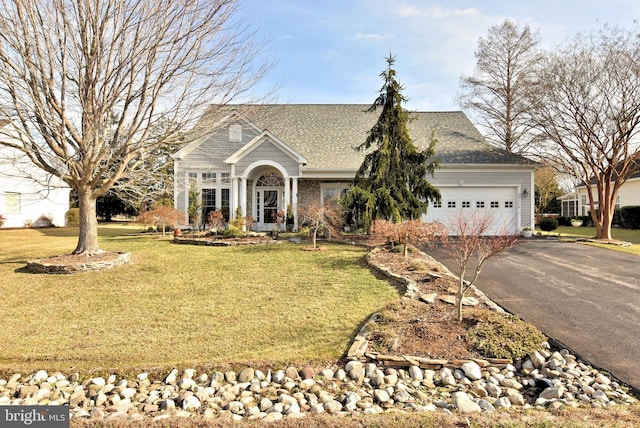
<point x="460" y="296"/>
<point x="88" y="236"/>
<point x="605" y="215"/>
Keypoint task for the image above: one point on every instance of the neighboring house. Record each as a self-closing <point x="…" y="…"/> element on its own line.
<point x="263" y="158"/>
<point x="29" y="196"/>
<point x="576" y="203"/>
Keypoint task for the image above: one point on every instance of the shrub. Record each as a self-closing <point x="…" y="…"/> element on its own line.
<point x="43" y="221"/>
<point x="564" y="221"/>
<point x="72" y="217"/>
<point x="505" y="336"/>
<point x="548" y="224"/>
<point x="233" y="232"/>
<point x="630" y="217"/>
<point x="617" y="219"/>
<point x="587" y="221"/>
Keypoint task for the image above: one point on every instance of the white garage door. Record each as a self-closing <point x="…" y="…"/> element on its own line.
<point x="499" y="203"/>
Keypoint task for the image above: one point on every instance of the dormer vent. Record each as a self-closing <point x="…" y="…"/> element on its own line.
<point x="235" y="133"/>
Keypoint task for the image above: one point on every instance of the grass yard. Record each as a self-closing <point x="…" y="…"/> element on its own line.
<point x="180" y="305"/>
<point x="628" y="235"/>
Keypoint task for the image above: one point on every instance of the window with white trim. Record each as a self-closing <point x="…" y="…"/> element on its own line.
<point x="508" y="204"/>
<point x="215" y="188"/>
<point x="208" y="178"/>
<point x="479" y="204"/>
<point x="208" y="203"/>
<point x="437" y="204"/>
<point x="451" y="204"/>
<point x="466" y="204"/>
<point x="332" y="192"/>
<point x="494" y="204"/>
<point x="270" y="180"/>
<point x="12" y="203"/>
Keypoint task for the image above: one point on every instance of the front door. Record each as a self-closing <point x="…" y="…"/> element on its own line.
<point x="268" y="203"/>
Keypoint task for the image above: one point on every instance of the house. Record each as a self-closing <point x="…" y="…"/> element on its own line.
<point x="576" y="203"/>
<point x="265" y="158"/>
<point x="29" y="197"/>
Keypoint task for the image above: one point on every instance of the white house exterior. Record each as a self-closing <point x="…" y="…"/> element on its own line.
<point x="264" y="158"/>
<point x="576" y="203"/>
<point x="28" y="195"/>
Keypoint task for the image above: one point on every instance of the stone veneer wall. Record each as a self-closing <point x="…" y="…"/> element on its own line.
<point x="308" y="191"/>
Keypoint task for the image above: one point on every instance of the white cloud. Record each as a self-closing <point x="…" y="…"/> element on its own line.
<point x="373" y="36"/>
<point x="408" y="10"/>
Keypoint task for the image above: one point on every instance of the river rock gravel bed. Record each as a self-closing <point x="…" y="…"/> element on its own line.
<point x="545" y="380"/>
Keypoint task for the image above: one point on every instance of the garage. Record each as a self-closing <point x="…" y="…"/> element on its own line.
<point x="501" y="204"/>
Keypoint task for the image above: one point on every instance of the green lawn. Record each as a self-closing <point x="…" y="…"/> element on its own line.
<point x="627" y="235"/>
<point x="180" y="305"/>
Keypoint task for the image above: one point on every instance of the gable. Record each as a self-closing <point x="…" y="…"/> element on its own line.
<point x="211" y="149"/>
<point x="267" y="147"/>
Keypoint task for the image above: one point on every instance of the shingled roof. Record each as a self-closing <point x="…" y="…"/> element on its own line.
<point x="327" y="134"/>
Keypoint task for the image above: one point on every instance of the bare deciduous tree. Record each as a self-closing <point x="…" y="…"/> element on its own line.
<point x="470" y="247"/>
<point x="497" y="91"/>
<point x="86" y="82"/>
<point x="319" y="217"/>
<point x="588" y="111"/>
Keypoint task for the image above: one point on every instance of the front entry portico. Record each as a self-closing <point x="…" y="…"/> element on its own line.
<point x="265" y="192"/>
<point x="264" y="175"/>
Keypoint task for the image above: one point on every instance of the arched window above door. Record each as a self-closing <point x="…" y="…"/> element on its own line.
<point x="270" y="180"/>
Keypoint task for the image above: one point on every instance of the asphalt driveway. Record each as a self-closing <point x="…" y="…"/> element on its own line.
<point x="587" y="298"/>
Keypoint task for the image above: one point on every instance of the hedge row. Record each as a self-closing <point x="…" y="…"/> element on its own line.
<point x="626" y="217"/>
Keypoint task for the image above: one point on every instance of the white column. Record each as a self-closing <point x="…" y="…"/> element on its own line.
<point x="243" y="196"/>
<point x="234" y="197"/>
<point x="294" y="203"/>
<point x="287" y="196"/>
<point x="186" y="196"/>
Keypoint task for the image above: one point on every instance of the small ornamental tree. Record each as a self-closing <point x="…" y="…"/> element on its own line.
<point x="326" y="217"/>
<point x="195" y="208"/>
<point x="161" y="216"/>
<point x="410" y="231"/>
<point x="215" y="220"/>
<point x="470" y="241"/>
<point x="249" y="221"/>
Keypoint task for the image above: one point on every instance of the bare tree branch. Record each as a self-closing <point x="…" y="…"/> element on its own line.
<point x="85" y="82"/>
<point x="470" y="246"/>
<point x="499" y="88"/>
<point x="588" y="111"/>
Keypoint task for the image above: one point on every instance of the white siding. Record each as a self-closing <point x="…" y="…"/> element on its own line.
<point x="267" y="151"/>
<point x="630" y="193"/>
<point x="36" y="200"/>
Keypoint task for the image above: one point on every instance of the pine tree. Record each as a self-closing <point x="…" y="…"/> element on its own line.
<point x="391" y="183"/>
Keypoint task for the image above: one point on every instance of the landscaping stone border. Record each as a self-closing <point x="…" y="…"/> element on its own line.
<point x="222" y="242"/>
<point x="41" y="266"/>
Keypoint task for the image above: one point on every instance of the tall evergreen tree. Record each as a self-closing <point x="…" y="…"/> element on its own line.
<point x="391" y="183"/>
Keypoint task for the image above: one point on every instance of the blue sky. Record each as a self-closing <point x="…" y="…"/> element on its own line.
<point x="333" y="51"/>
